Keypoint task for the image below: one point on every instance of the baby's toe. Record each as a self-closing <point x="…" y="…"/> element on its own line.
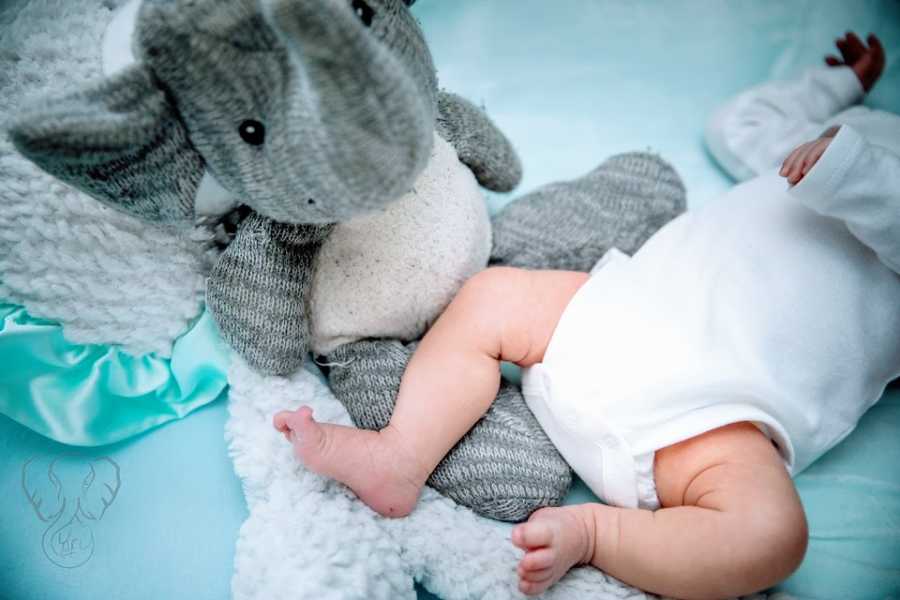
<point x="533" y="588"/>
<point x="537" y="576"/>
<point x="533" y="534"/>
<point x="281" y="421"/>
<point x="305" y="413"/>
<point x="538" y="559"/>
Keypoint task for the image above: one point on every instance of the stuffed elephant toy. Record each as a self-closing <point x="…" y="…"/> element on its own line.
<point x="318" y="129"/>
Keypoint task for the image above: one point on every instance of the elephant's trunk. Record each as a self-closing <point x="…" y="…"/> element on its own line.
<point x="68" y="542"/>
<point x="369" y="100"/>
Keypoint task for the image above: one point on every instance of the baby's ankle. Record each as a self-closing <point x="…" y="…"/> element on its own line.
<point x="410" y="463"/>
<point x="586" y="515"/>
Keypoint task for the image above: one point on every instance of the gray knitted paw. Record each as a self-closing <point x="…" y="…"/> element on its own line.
<point x="479" y="143"/>
<point x="257" y="290"/>
<point x="505" y="468"/>
<point x="571" y="225"/>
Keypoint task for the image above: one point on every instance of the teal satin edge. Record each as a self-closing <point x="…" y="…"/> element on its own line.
<point x="91" y="395"/>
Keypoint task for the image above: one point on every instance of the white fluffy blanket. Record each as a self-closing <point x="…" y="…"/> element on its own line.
<point x="110" y="279"/>
<point x="104" y="275"/>
<point x="308" y="537"/>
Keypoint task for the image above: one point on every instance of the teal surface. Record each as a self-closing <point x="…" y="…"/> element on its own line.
<point x="571" y="82"/>
<point x="574" y="81"/>
<point x="168" y="531"/>
<point x="852" y="501"/>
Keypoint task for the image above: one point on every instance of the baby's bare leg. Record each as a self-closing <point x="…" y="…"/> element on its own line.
<point x="732" y="524"/>
<point x="500" y="314"/>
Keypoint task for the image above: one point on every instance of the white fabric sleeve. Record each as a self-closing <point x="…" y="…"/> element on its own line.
<point x="755" y="131"/>
<point x="858" y="183"/>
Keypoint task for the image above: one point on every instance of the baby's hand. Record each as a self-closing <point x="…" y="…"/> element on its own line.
<point x="801" y="160"/>
<point x="867" y="63"/>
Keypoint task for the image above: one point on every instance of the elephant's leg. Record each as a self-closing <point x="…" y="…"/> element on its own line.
<point x="570" y="225"/>
<point x="505" y="468"/>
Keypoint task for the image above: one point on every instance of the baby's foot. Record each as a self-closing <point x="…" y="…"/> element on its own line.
<point x="368" y="462"/>
<point x="554" y="540"/>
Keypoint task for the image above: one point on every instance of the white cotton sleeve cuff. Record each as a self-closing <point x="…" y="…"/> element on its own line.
<point x="843" y="83"/>
<point x="817" y="188"/>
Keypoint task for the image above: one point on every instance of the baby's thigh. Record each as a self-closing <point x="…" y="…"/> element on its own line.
<point x="516" y="310"/>
<point x="737" y="471"/>
<point x="737" y="474"/>
<point x="686" y="471"/>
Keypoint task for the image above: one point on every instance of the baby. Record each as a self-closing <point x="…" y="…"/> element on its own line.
<point x="686" y="384"/>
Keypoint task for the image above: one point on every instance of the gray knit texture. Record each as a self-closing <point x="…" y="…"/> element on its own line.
<point x="481" y="146"/>
<point x="347" y="108"/>
<point x="571" y="225"/>
<point x="256" y="292"/>
<point x="504" y="468"/>
<point x="342" y="109"/>
<point x="121" y="142"/>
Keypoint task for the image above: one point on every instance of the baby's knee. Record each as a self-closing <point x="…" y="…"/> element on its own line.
<point x="491" y="292"/>
<point x="776" y="536"/>
<point x="494" y="305"/>
<point x="789" y="533"/>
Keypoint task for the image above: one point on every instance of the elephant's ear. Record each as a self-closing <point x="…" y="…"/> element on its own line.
<point x="99" y="488"/>
<point x="42" y="488"/>
<point x="120" y="141"/>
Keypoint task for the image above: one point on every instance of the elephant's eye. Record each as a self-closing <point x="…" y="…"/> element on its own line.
<point x="364" y="12"/>
<point x="252" y="132"/>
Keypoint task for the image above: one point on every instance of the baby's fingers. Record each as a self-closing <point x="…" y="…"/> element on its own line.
<point x="797" y="171"/>
<point x="855" y="45"/>
<point x="791" y="161"/>
<point x="876" y="50"/>
<point x="814" y="155"/>
<point x="844" y="49"/>
<point x="786" y="165"/>
<point x="833" y="61"/>
<point x="795" y="168"/>
<point x="875" y="46"/>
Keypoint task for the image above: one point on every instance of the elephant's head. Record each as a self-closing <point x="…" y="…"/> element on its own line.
<point x="67" y="492"/>
<point x="308" y="111"/>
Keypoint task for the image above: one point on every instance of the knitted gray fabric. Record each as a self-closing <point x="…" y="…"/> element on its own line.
<point x="257" y="288"/>
<point x="571" y="225"/>
<point x="505" y="468"/>
<point x="121" y="142"/>
<point x="479" y="143"/>
<point x="308" y="112"/>
<point x="340" y="99"/>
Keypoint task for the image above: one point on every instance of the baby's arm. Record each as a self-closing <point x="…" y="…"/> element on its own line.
<point x="755" y="131"/>
<point x="733" y="523"/>
<point x="847" y="178"/>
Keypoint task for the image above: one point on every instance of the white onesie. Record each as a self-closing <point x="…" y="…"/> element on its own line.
<point x="771" y="305"/>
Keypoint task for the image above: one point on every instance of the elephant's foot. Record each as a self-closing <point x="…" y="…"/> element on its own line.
<point x="505" y="467"/>
<point x="371" y="463"/>
<point x="258" y="289"/>
<point x="571" y="225"/>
